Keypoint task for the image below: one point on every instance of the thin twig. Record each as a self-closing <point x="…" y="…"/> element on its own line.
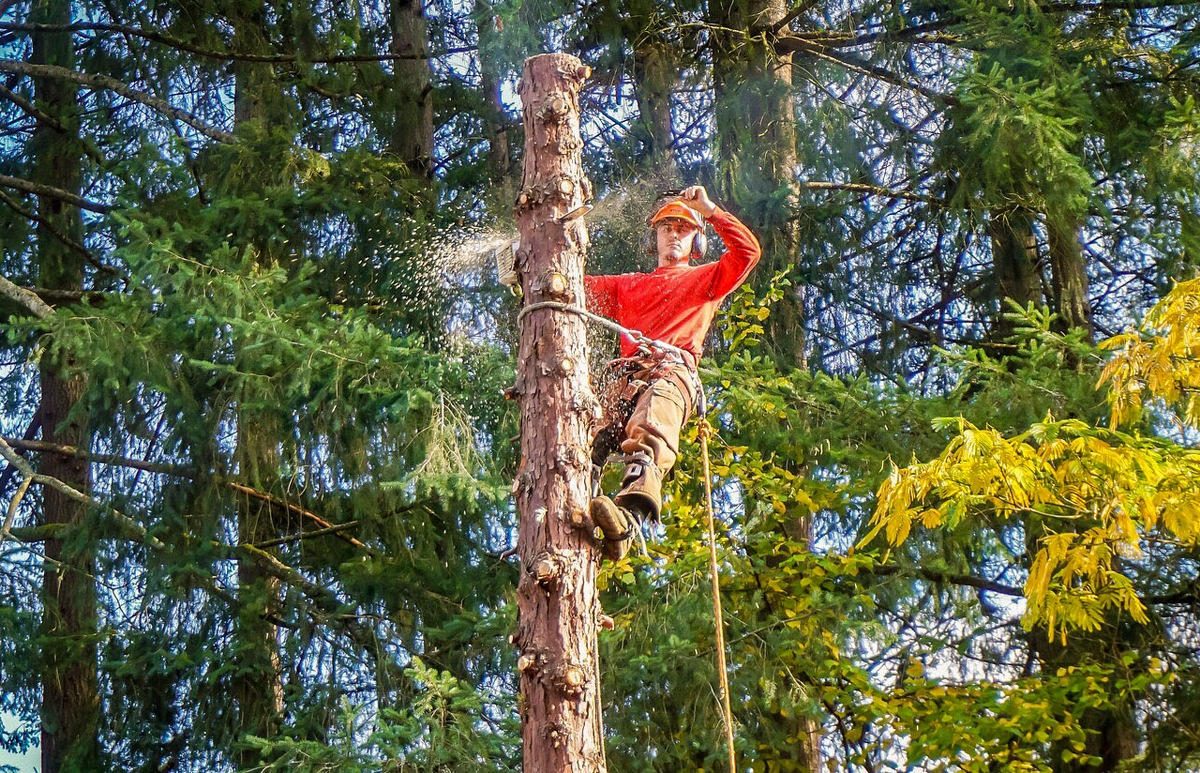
<point x="334" y="529"/>
<point x="56" y="233"/>
<point x="177" y="471"/>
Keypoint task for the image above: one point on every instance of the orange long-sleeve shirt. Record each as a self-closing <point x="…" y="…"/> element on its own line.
<point x="677" y="304"/>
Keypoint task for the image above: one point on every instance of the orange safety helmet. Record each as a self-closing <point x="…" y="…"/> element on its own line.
<point x="677" y="210"/>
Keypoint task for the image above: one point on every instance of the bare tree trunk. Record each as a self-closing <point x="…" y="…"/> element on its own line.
<point x="412" y="134"/>
<point x="557" y="599"/>
<point x="70" y="687"/>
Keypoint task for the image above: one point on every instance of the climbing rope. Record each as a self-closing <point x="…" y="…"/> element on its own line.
<point x="704" y="430"/>
<point x="636" y="335"/>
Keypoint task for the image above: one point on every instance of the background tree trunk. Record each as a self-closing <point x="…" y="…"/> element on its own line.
<point x="557" y="598"/>
<point x="654" y="76"/>
<point x="499" y="159"/>
<point x="258" y="680"/>
<point x="1068" y="273"/>
<point x="70" y="687"/>
<point x="412" y="134"/>
<point x="1014" y="265"/>
<point x="756" y="126"/>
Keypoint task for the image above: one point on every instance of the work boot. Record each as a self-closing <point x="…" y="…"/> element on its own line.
<point x="641" y="489"/>
<point x="617" y="523"/>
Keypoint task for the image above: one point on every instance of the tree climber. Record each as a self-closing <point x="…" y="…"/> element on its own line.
<point x="652" y="392"/>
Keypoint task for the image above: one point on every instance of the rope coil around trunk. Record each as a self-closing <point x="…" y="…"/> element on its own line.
<point x="704" y="430"/>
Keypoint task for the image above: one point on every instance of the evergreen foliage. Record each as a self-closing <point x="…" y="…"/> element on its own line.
<point x="943" y="546"/>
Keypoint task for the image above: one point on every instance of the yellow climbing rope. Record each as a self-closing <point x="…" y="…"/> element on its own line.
<point x="704" y="429"/>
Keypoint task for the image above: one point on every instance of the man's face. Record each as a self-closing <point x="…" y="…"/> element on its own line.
<point x="674" y="241"/>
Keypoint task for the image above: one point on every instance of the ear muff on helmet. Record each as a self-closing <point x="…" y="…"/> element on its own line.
<point x="650" y="243"/>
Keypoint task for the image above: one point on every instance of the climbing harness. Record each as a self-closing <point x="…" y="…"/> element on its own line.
<point x="704" y="430"/>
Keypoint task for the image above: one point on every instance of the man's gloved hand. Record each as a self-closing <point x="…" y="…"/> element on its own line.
<point x="697" y="198"/>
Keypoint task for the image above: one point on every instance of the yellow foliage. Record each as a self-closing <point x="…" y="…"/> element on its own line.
<point x="1087" y="494"/>
<point x="1162" y="362"/>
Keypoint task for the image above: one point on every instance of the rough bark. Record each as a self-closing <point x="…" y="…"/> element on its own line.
<point x="557" y="598"/>
<point x="756" y="126"/>
<point x="70" y="688"/>
<point x="412" y="134"/>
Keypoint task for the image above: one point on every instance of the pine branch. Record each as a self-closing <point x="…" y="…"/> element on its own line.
<point x="792" y="15"/>
<point x="342" y="614"/>
<point x="50" y="191"/>
<point x="64" y="239"/>
<point x="226" y="56"/>
<point x="306" y="535"/>
<point x="917" y="32"/>
<point x="128" y="524"/>
<point x="30" y="109"/>
<point x="114" y="85"/>
<point x="791" y="44"/>
<point x="274" y="502"/>
<point x="35" y="426"/>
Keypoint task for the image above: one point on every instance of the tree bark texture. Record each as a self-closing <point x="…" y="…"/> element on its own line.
<point x="557" y="599"/>
<point x="70" y="688"/>
<point x="412" y="134"/>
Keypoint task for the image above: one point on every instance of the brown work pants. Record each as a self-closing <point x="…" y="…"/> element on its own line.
<point x="645" y="407"/>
